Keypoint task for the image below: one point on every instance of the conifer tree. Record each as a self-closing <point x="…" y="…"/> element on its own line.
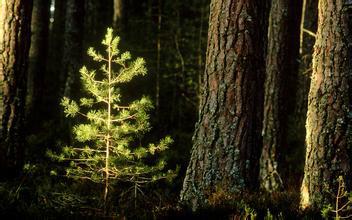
<point x="104" y="151"/>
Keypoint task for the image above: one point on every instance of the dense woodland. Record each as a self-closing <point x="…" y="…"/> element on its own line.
<point x="175" y="109"/>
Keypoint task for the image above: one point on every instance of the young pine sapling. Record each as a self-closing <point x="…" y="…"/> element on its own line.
<point x="104" y="151"/>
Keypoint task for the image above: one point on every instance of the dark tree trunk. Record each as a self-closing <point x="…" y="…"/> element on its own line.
<point x="227" y="139"/>
<point x="158" y="61"/>
<point x="98" y="16"/>
<point x="328" y="124"/>
<point x="15" y="19"/>
<point x="72" y="59"/>
<point x="37" y="60"/>
<point x="72" y="54"/>
<point x="55" y="60"/>
<point x="118" y="15"/>
<point x="281" y="65"/>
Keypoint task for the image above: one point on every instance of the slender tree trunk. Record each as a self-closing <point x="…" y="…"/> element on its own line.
<point x="72" y="56"/>
<point x="15" y="19"/>
<point x="73" y="46"/>
<point x="178" y="76"/>
<point x="158" y="52"/>
<point x="281" y="64"/>
<point x="57" y="33"/>
<point x="54" y="68"/>
<point x="329" y="122"/>
<point x="98" y="16"/>
<point x="308" y="25"/>
<point x="107" y="156"/>
<point x="227" y="139"/>
<point x="117" y="15"/>
<point x="37" y="57"/>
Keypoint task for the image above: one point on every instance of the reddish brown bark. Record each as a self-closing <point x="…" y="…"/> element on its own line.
<point x="15" y="17"/>
<point x="227" y="139"/>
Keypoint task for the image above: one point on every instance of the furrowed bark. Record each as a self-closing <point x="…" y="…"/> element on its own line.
<point x="328" y="125"/>
<point x="227" y="139"/>
<point x="15" y="19"/>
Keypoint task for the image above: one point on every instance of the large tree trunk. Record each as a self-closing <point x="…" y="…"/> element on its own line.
<point x="227" y="139"/>
<point x="37" y="59"/>
<point x="281" y="65"/>
<point x="328" y="124"/>
<point x="15" y="19"/>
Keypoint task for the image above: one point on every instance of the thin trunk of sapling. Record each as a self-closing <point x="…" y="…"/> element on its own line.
<point x="108" y="134"/>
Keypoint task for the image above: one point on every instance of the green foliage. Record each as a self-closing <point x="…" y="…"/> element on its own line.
<point x="105" y="148"/>
<point x="268" y="215"/>
<point x="326" y="211"/>
<point x="249" y="213"/>
<point x="71" y="107"/>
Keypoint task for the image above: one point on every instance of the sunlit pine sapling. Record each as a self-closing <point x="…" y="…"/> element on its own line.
<point x="104" y="153"/>
<point x="343" y="203"/>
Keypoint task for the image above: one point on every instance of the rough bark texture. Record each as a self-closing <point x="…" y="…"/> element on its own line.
<point x="281" y="65"/>
<point x="328" y="124"/>
<point x="15" y="17"/>
<point x="37" y="57"/>
<point x="72" y="54"/>
<point x="227" y="139"/>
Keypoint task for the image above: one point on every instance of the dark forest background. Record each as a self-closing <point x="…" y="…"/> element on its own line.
<point x="189" y="47"/>
<point x="170" y="35"/>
